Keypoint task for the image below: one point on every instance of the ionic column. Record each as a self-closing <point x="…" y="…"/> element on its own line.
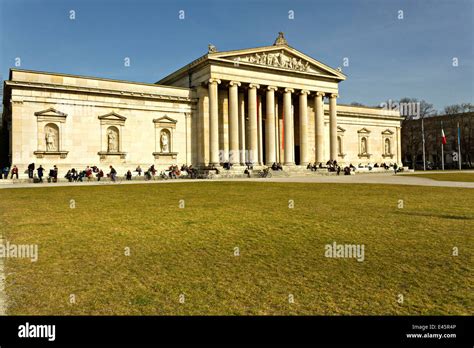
<point x="270" y="131"/>
<point x="234" y="122"/>
<point x="303" y="108"/>
<point x="213" y="122"/>
<point x="242" y="127"/>
<point x="319" y="121"/>
<point x="260" y="130"/>
<point x="288" y="128"/>
<point x="333" y="127"/>
<point x="253" y="128"/>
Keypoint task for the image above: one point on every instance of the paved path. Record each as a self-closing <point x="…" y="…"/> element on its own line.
<point x="372" y="178"/>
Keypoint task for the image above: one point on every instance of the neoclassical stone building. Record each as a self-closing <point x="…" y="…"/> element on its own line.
<point x="260" y="105"/>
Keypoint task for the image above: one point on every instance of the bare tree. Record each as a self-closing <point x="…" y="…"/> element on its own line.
<point x="413" y="109"/>
<point x="458" y="108"/>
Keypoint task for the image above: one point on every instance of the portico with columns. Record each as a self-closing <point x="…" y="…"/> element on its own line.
<point x="275" y="98"/>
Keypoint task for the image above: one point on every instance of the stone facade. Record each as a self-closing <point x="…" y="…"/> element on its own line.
<point x="261" y="105"/>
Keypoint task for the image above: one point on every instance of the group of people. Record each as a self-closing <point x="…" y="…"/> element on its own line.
<point x="384" y="165"/>
<point x="333" y="166"/>
<point x="277" y="166"/>
<point x="88" y="173"/>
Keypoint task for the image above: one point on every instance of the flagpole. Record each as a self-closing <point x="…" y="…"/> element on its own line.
<point x="442" y="148"/>
<point x="459" y="146"/>
<point x="423" y="137"/>
<point x="442" y="156"/>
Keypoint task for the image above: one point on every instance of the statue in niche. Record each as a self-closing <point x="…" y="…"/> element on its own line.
<point x="51" y="137"/>
<point x="112" y="141"/>
<point x="264" y="58"/>
<point x="387" y="146"/>
<point x="164" y="142"/>
<point x="363" y="146"/>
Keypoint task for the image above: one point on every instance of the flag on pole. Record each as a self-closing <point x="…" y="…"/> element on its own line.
<point x="443" y="136"/>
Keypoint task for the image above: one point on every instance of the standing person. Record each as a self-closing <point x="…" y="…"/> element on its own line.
<point x="31" y="168"/>
<point x="6" y="170"/>
<point x="139" y="170"/>
<point x="152" y="170"/>
<point x="55" y="173"/>
<point x="113" y="173"/>
<point x="338" y="170"/>
<point x="100" y="174"/>
<point x="129" y="175"/>
<point x="14" y="172"/>
<point x="395" y="167"/>
<point x="40" y="171"/>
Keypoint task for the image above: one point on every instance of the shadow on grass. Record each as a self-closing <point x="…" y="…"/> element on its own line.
<point x="443" y="216"/>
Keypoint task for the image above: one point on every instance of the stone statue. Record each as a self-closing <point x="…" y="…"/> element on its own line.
<point x="211" y="48"/>
<point x="164" y="142"/>
<point x="283" y="60"/>
<point x="257" y="58"/>
<point x="387" y="147"/>
<point x="294" y="63"/>
<point x="363" y="146"/>
<point x="50" y="140"/>
<point x="112" y="141"/>
<point x="270" y="59"/>
<point x="280" y="40"/>
<point x="300" y="65"/>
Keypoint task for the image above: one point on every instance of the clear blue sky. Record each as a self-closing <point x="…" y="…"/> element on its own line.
<point x="389" y="58"/>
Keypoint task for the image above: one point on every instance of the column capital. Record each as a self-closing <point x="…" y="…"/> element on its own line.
<point x="289" y="90"/>
<point x="214" y="81"/>
<point x="234" y="83"/>
<point x="320" y="94"/>
<point x="334" y="95"/>
<point x="254" y="85"/>
<point x="304" y="91"/>
<point x="272" y="88"/>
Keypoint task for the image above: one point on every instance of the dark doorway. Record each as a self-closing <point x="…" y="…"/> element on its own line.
<point x="297" y="154"/>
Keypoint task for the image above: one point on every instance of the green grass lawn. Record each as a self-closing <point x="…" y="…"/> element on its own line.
<point x="448" y="176"/>
<point x="190" y="251"/>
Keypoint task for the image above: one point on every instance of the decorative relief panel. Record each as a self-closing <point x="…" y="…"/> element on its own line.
<point x="278" y="60"/>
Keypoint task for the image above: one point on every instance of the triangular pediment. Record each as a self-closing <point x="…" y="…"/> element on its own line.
<point x="363" y="130"/>
<point x="279" y="57"/>
<point x="164" y="119"/>
<point x="387" y="132"/>
<point x="112" y="116"/>
<point x="51" y="112"/>
<point x="340" y="129"/>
